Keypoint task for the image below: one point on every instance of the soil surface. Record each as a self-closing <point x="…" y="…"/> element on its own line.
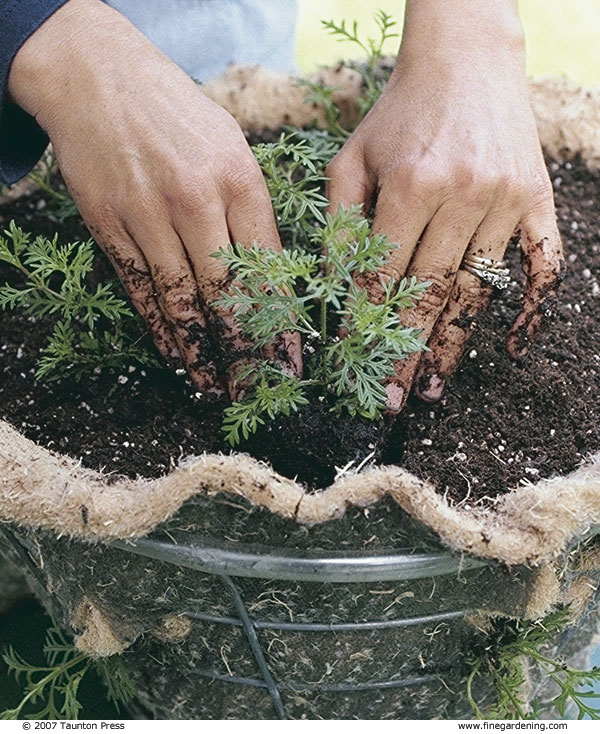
<point x="500" y="424"/>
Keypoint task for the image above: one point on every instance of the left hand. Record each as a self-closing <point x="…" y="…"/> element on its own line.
<point x="451" y="157"/>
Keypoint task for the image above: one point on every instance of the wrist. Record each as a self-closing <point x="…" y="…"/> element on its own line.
<point x="46" y="72"/>
<point x="462" y="29"/>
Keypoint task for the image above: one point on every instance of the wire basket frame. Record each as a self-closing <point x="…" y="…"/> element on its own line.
<point x="227" y="560"/>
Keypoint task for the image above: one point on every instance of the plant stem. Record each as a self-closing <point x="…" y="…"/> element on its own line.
<point x="38" y="282"/>
<point x="51" y="679"/>
<point x="517" y="703"/>
<point x="42" y="184"/>
<point x="470" y="698"/>
<point x="323" y="321"/>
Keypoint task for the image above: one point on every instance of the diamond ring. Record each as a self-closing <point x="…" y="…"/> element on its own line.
<point x="493" y="272"/>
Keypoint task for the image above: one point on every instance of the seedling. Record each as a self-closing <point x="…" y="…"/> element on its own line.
<point x="351" y="343"/>
<point x="370" y="70"/>
<point x="90" y="331"/>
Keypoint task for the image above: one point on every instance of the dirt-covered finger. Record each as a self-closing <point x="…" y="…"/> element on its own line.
<point x="468" y="298"/>
<point x="543" y="262"/>
<point x="134" y="272"/>
<point x="436" y="260"/>
<point x="450" y="335"/>
<point x="203" y="235"/>
<point x="177" y="295"/>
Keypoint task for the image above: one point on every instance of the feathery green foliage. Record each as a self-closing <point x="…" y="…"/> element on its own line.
<point x="89" y="331"/>
<point x="60" y="204"/>
<point x="316" y="295"/>
<point x="273" y="394"/>
<point x="293" y="171"/>
<point x="523" y="642"/>
<point x="55" y="686"/>
<point x="373" y="81"/>
<point x="372" y="47"/>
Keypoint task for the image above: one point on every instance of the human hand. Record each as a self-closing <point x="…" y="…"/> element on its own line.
<point x="163" y="178"/>
<point x="451" y="158"/>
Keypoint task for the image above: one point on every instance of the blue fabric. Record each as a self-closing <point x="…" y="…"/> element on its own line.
<point x="202" y="36"/>
<point x="22" y="141"/>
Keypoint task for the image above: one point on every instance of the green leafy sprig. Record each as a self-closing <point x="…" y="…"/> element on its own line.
<point x="523" y="642"/>
<point x="293" y="170"/>
<point x="372" y="47"/>
<point x="373" y="82"/>
<point x="55" y="686"/>
<point x="316" y="295"/>
<point x="273" y="394"/>
<point x="89" y="331"/>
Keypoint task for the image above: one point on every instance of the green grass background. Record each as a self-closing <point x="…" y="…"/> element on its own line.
<point x="563" y="36"/>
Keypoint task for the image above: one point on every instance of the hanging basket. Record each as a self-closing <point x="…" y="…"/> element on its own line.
<point x="213" y="626"/>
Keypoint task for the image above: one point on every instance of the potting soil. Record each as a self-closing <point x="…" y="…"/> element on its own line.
<point x="501" y="423"/>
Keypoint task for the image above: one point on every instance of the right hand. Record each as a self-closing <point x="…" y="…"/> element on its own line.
<point x="162" y="175"/>
<point x="450" y="156"/>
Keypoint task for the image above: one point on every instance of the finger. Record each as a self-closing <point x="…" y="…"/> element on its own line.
<point x="402" y="217"/>
<point x="436" y="260"/>
<point x="177" y="296"/>
<point x="204" y="232"/>
<point x="133" y="271"/>
<point x="543" y="263"/>
<point x="250" y="219"/>
<point x="348" y="182"/>
<point x="468" y="298"/>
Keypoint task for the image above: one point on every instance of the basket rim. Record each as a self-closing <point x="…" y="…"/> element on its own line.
<point x="226" y="558"/>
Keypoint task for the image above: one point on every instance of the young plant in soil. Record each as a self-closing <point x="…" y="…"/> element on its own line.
<point x="95" y="327"/>
<point x="351" y="343"/>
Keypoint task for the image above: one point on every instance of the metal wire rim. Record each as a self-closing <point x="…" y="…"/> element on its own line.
<point x="266" y="562"/>
<point x="226" y="560"/>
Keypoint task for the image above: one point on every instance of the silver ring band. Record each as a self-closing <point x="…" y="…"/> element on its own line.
<point x="493" y="272"/>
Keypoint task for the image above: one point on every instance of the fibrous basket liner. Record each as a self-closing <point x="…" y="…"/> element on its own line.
<point x="183" y="629"/>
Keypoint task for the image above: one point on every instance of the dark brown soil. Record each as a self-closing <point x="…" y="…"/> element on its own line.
<point x="501" y="423"/>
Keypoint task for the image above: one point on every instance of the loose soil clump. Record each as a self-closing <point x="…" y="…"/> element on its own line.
<point x="500" y="424"/>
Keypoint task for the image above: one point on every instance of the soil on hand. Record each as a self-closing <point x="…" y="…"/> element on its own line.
<point x="500" y="424"/>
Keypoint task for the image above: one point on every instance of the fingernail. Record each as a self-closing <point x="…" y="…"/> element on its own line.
<point x="289" y="369"/>
<point x="517" y="345"/>
<point x="215" y="394"/>
<point x="395" y="398"/>
<point x="431" y="388"/>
